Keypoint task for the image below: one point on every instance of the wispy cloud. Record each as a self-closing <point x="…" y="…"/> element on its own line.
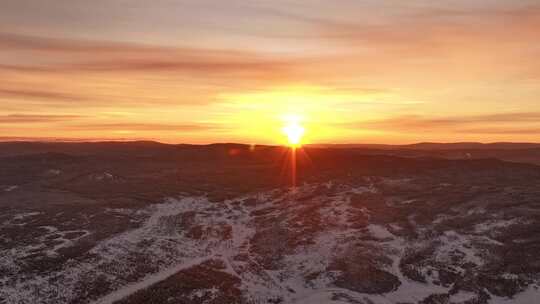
<point x="450" y="123"/>
<point x="114" y="74"/>
<point x="36" y="118"/>
<point x="38" y="94"/>
<point x="158" y="127"/>
<point x="431" y="25"/>
<point x="501" y="131"/>
<point x="72" y="55"/>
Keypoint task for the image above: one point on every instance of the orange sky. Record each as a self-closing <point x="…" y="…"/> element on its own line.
<point x="233" y="71"/>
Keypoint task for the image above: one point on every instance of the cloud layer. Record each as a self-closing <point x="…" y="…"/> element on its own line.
<point x="382" y="71"/>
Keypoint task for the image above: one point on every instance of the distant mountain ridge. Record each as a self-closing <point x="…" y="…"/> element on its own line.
<point x="437" y="146"/>
<point x="513" y="152"/>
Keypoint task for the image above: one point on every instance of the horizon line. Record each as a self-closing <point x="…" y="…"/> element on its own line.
<point x="130" y="140"/>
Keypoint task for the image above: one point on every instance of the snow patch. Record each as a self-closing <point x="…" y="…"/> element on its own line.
<point x="54" y="172"/>
<point x="22" y="216"/>
<point x="495" y="225"/>
<point x="454" y="244"/>
<point x="379" y="231"/>
<point x="461" y="297"/>
<point x="10" y="188"/>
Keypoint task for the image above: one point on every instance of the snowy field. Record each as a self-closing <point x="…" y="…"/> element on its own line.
<point x="325" y="243"/>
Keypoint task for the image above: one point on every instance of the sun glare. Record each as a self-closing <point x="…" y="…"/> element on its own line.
<point x="293" y="130"/>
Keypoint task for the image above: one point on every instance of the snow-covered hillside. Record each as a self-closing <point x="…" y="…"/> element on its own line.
<point x="371" y="240"/>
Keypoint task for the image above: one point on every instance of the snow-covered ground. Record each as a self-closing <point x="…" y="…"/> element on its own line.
<point x="314" y="233"/>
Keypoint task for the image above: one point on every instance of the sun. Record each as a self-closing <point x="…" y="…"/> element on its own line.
<point x="293" y="130"/>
